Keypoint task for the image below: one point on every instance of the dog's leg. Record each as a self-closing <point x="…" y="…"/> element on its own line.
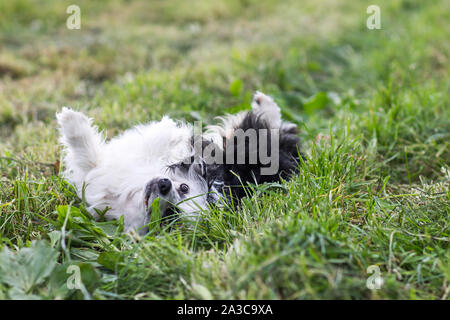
<point x="264" y="107"/>
<point x="82" y="141"/>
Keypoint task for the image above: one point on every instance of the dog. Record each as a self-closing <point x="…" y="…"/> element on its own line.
<point x="165" y="159"/>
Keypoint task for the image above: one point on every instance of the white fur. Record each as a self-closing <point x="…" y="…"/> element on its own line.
<point x="115" y="173"/>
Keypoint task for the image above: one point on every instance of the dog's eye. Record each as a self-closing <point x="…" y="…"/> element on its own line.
<point x="184" y="188"/>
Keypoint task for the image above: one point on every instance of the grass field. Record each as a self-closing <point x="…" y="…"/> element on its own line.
<point x="374" y="111"/>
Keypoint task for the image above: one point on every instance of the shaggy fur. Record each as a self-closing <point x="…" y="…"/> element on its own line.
<point x="125" y="175"/>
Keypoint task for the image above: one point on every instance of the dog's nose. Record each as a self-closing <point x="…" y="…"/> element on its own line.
<point x="164" y="186"/>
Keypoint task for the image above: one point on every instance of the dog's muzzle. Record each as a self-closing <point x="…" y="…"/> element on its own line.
<point x="164" y="186"/>
<point x="159" y="187"/>
<point x="155" y="188"/>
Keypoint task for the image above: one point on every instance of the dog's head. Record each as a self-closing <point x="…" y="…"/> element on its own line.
<point x="185" y="191"/>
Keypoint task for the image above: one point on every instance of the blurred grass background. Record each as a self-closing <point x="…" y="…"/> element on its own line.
<point x="375" y="193"/>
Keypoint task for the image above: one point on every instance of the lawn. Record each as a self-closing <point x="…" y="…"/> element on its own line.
<point x="373" y="107"/>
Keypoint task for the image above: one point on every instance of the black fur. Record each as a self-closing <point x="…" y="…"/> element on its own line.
<point x="231" y="178"/>
<point x="237" y="176"/>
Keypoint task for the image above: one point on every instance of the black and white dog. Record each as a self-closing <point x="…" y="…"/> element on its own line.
<point x="167" y="159"/>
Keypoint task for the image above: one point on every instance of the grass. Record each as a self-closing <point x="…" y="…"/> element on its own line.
<point x="372" y="105"/>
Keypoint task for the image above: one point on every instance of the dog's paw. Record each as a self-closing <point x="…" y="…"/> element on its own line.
<point x="262" y="101"/>
<point x="71" y="122"/>
<point x="267" y="109"/>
